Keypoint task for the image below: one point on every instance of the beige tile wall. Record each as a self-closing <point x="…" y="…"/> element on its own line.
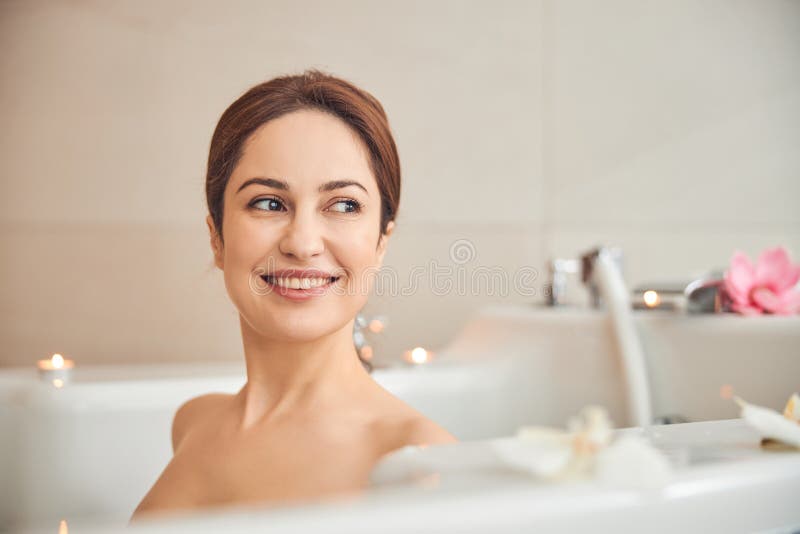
<point x="531" y="129"/>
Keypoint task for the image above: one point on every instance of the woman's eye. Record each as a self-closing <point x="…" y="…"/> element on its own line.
<point x="346" y="206"/>
<point x="268" y="204"/>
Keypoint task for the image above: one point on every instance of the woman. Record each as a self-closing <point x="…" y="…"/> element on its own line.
<point x="303" y="186"/>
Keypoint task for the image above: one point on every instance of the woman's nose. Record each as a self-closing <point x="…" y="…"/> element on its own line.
<point x="302" y="239"/>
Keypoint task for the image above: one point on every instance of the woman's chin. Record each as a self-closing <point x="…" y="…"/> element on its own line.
<point x="303" y="335"/>
<point x="287" y="330"/>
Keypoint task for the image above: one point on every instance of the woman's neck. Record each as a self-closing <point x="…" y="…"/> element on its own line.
<point x="285" y="376"/>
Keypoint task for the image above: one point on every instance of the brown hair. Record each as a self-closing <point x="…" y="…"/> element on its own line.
<point x="310" y="90"/>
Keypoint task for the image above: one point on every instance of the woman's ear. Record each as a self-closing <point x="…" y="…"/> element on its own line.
<point x="383" y="241"/>
<point x="216" y="244"/>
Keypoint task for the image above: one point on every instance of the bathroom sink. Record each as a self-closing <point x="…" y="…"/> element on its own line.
<point x="565" y="358"/>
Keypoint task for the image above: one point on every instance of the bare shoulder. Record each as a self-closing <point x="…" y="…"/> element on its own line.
<point x="423" y="431"/>
<point x="192" y="411"/>
<point x="399" y="425"/>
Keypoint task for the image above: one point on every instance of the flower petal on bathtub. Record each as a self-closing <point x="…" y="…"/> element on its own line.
<point x="770" y="424"/>
<point x="786" y="303"/>
<point x="545" y="459"/>
<point x="740" y="276"/>
<point x="746" y="309"/>
<point x="632" y="462"/>
<point x="766" y="299"/>
<point x="790" y="303"/>
<point x="775" y="270"/>
<point x="792" y="409"/>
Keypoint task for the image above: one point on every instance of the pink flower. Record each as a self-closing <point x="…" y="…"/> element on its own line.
<point x="767" y="287"/>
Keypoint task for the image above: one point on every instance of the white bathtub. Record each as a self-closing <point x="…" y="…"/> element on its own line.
<point x="722" y="483"/>
<point x="91" y="450"/>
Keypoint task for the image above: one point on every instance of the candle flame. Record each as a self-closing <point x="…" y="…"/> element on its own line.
<point x="651" y="298"/>
<point x="58" y="361"/>
<point x="419" y="355"/>
<point x="62" y="527"/>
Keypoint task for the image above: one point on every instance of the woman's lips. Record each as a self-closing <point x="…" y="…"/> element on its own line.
<point x="310" y="287"/>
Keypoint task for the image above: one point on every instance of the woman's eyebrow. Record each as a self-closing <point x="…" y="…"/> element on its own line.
<point x="269" y="182"/>
<point x="280" y="184"/>
<point x="338" y="184"/>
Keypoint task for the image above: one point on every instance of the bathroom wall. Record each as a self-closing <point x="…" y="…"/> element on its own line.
<point x="527" y="130"/>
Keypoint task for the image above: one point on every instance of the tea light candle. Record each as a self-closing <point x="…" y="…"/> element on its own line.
<point x="418" y="356"/>
<point x="654" y="300"/>
<point x="56" y="370"/>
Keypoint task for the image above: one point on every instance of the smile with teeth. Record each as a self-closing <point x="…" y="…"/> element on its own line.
<point x="299" y="283"/>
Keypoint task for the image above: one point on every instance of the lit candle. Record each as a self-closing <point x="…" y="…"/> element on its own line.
<point x="418" y="356"/>
<point x="651" y="298"/>
<point x="56" y="370"/>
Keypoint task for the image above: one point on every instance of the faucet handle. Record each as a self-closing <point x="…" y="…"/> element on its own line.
<point x="559" y="268"/>
<point x="588" y="261"/>
<point x="705" y="294"/>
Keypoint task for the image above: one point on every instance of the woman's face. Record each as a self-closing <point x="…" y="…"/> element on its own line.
<point x="301" y="207"/>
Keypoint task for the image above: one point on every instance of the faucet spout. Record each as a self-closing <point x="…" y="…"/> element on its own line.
<point x="603" y="274"/>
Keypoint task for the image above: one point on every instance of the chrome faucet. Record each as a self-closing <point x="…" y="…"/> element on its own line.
<point x="705" y="295"/>
<point x="701" y="295"/>
<point x="559" y="270"/>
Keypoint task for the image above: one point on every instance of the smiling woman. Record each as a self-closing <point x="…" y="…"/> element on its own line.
<point x="303" y="186"/>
